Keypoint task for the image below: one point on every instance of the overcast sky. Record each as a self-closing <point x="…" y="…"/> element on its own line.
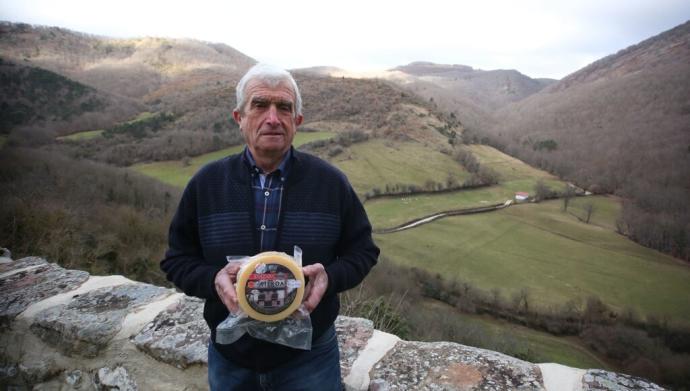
<point x="540" y="38"/>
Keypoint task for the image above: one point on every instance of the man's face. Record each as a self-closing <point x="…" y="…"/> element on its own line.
<point x="267" y="120"/>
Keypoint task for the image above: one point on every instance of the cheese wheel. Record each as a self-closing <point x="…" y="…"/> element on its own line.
<point x="270" y="287"/>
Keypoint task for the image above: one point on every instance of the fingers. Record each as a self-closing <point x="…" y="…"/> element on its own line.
<point x="225" y="286"/>
<point x="315" y="289"/>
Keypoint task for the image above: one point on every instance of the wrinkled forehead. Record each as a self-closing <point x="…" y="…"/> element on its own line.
<point x="274" y="89"/>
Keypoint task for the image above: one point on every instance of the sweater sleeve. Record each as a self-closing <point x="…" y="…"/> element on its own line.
<point x="356" y="252"/>
<point x="184" y="264"/>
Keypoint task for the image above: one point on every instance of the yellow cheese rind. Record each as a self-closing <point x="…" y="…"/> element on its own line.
<point x="269" y="257"/>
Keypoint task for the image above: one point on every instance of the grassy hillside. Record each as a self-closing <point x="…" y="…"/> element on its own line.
<point x="85" y="135"/>
<point x="514" y="173"/>
<point x="549" y="252"/>
<point x="379" y="163"/>
<point x="490" y="333"/>
<point x="393" y="211"/>
<point x="178" y="172"/>
<point x="514" y="176"/>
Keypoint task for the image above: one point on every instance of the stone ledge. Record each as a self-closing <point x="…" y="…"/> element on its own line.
<point x="70" y="331"/>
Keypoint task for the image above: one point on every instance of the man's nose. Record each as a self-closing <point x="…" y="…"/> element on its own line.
<point x="272" y="118"/>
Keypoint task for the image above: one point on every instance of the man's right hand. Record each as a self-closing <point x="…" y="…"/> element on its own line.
<point x="225" y="286"/>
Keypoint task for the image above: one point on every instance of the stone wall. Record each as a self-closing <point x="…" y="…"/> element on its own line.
<point x="66" y="330"/>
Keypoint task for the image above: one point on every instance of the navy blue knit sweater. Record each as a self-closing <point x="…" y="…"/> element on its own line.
<point x="320" y="213"/>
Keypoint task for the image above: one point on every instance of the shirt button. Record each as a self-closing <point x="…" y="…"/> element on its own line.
<point x="267" y="194"/>
<point x="263" y="227"/>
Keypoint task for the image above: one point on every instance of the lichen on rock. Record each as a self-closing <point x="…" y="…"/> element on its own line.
<point x="451" y="366"/>
<point x="178" y="336"/>
<point x="88" y="323"/>
<point x="30" y="280"/>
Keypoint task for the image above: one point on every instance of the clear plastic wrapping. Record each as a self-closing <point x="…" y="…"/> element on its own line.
<point x="294" y="331"/>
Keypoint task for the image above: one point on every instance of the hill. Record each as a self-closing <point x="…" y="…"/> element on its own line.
<point x="621" y="125"/>
<point x="374" y="106"/>
<point x="40" y="99"/>
<point x="471" y="94"/>
<point x="128" y="67"/>
<point x="186" y="95"/>
<point x="490" y="89"/>
<point x="392" y="143"/>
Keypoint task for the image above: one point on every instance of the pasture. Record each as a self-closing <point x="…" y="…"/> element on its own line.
<point x="552" y="254"/>
<point x="178" y="172"/>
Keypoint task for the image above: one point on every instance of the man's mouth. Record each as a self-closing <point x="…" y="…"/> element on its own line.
<point x="272" y="133"/>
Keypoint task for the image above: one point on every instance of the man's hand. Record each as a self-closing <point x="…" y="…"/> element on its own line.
<point x="318" y="282"/>
<point x="225" y="286"/>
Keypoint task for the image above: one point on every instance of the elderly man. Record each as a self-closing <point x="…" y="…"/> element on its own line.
<point x="270" y="197"/>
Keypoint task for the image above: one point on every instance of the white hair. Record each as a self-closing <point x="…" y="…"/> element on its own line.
<point x="270" y="75"/>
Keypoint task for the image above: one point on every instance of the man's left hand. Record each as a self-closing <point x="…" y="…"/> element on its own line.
<point x="318" y="282"/>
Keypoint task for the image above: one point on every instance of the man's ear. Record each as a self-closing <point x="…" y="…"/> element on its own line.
<point x="298" y="119"/>
<point x="236" y="116"/>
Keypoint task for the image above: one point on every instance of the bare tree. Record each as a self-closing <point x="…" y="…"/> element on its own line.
<point x="542" y="191"/>
<point x="568" y="194"/>
<point x="589" y="210"/>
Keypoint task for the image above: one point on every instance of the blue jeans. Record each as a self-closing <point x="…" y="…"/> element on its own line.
<point x="316" y="369"/>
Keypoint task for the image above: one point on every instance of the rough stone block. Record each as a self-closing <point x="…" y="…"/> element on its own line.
<point x="353" y="335"/>
<point x="90" y="321"/>
<point x="31" y="280"/>
<point x="451" y="366"/>
<point x="114" y="379"/>
<point x="21" y="264"/>
<point x="598" y="379"/>
<point x="178" y="336"/>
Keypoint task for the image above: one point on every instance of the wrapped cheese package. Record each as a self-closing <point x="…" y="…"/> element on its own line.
<point x="270" y="288"/>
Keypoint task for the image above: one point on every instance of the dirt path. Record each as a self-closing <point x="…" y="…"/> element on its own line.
<point x="456" y="212"/>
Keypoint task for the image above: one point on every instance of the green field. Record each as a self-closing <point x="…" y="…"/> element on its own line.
<point x="87" y="135"/>
<point x="509" y="167"/>
<point x="377" y="163"/>
<point x="3" y="140"/>
<point x="390" y="212"/>
<point x="549" y="252"/>
<point x="515" y="176"/>
<point x="490" y="333"/>
<point x="178" y="172"/>
<point x="605" y="213"/>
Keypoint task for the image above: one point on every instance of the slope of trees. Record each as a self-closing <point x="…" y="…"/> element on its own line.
<point x="34" y="98"/>
<point x="621" y="125"/>
<point x="115" y="225"/>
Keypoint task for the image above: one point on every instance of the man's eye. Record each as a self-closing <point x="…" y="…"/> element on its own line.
<point x="285" y="107"/>
<point x="260" y="104"/>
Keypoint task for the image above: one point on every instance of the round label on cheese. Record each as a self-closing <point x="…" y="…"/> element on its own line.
<point x="270" y="287"/>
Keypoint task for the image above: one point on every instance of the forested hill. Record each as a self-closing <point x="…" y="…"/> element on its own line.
<point x="620" y="125"/>
<point x="490" y="89"/>
<point x="43" y="99"/>
<point x="131" y="67"/>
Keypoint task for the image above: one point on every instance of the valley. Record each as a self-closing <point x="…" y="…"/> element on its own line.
<point x="91" y="181"/>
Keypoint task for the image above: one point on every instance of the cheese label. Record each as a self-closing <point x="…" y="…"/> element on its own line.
<point x="271" y="288"/>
